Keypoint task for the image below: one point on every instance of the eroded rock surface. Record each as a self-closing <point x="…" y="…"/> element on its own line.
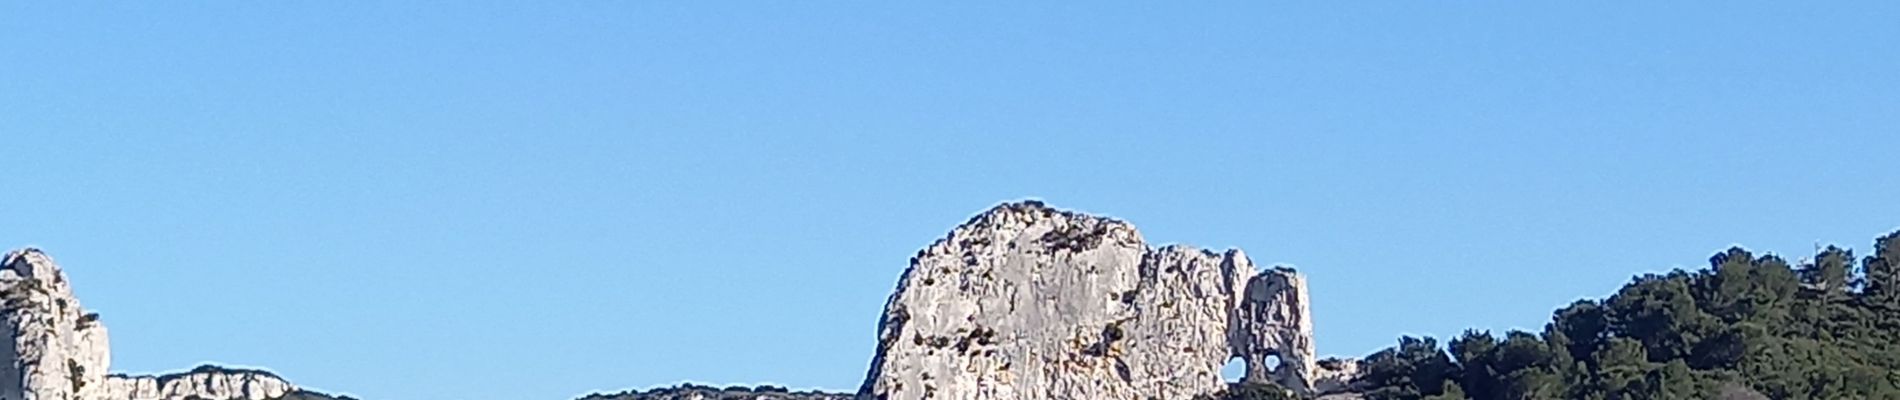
<point x="60" y="352"/>
<point x="57" y="350"/>
<point x="1029" y="302"/>
<point x="204" y="382"/>
<point x="1271" y="326"/>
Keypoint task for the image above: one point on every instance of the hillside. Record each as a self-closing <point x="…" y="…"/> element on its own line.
<point x="1747" y="326"/>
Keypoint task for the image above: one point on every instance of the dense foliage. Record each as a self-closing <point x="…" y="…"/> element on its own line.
<point x="1747" y="326"/>
<point x="1250" y="391"/>
<point x="309" y="395"/>
<point x="689" y="391"/>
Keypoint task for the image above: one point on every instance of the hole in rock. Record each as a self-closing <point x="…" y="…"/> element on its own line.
<point x="1273" y="363"/>
<point x="1234" y="371"/>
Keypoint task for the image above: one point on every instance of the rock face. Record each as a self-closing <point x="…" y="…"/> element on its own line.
<point x="59" y="351"/>
<point x="208" y="382"/>
<point x="1271" y="326"/>
<point x="1029" y="302"/>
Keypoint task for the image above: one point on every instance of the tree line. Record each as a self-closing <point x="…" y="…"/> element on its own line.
<point x="1747" y="326"/>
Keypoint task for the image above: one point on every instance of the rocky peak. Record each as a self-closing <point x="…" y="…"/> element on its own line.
<point x="59" y="351"/>
<point x="1025" y="301"/>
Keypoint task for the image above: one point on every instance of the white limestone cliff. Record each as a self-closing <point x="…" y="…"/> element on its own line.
<point x="60" y="352"/>
<point x="1272" y="321"/>
<point x="57" y="352"/>
<point x="204" y="382"/>
<point x="1029" y="302"/>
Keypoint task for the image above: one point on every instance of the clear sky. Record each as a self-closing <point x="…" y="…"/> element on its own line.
<point x="459" y="201"/>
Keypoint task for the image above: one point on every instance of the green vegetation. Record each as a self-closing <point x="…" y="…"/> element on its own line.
<point x="735" y="392"/>
<point x="1746" y="327"/>
<point x="1251" y="391"/>
<point x="76" y="374"/>
<point x="309" y="395"/>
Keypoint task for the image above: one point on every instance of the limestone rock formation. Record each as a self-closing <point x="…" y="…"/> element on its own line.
<point x="59" y="352"/>
<point x="207" y="382"/>
<point x="1272" y="323"/>
<point x="1028" y="302"/>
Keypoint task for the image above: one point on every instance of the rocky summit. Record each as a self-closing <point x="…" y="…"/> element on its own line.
<point x="1025" y="301"/>
<point x="59" y="351"/>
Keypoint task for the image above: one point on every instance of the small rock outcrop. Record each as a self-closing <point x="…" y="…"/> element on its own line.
<point x="1029" y="302"/>
<point x="59" y="351"/>
<point x="207" y="382"/>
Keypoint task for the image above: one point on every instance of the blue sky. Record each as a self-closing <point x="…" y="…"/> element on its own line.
<point x="408" y="201"/>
